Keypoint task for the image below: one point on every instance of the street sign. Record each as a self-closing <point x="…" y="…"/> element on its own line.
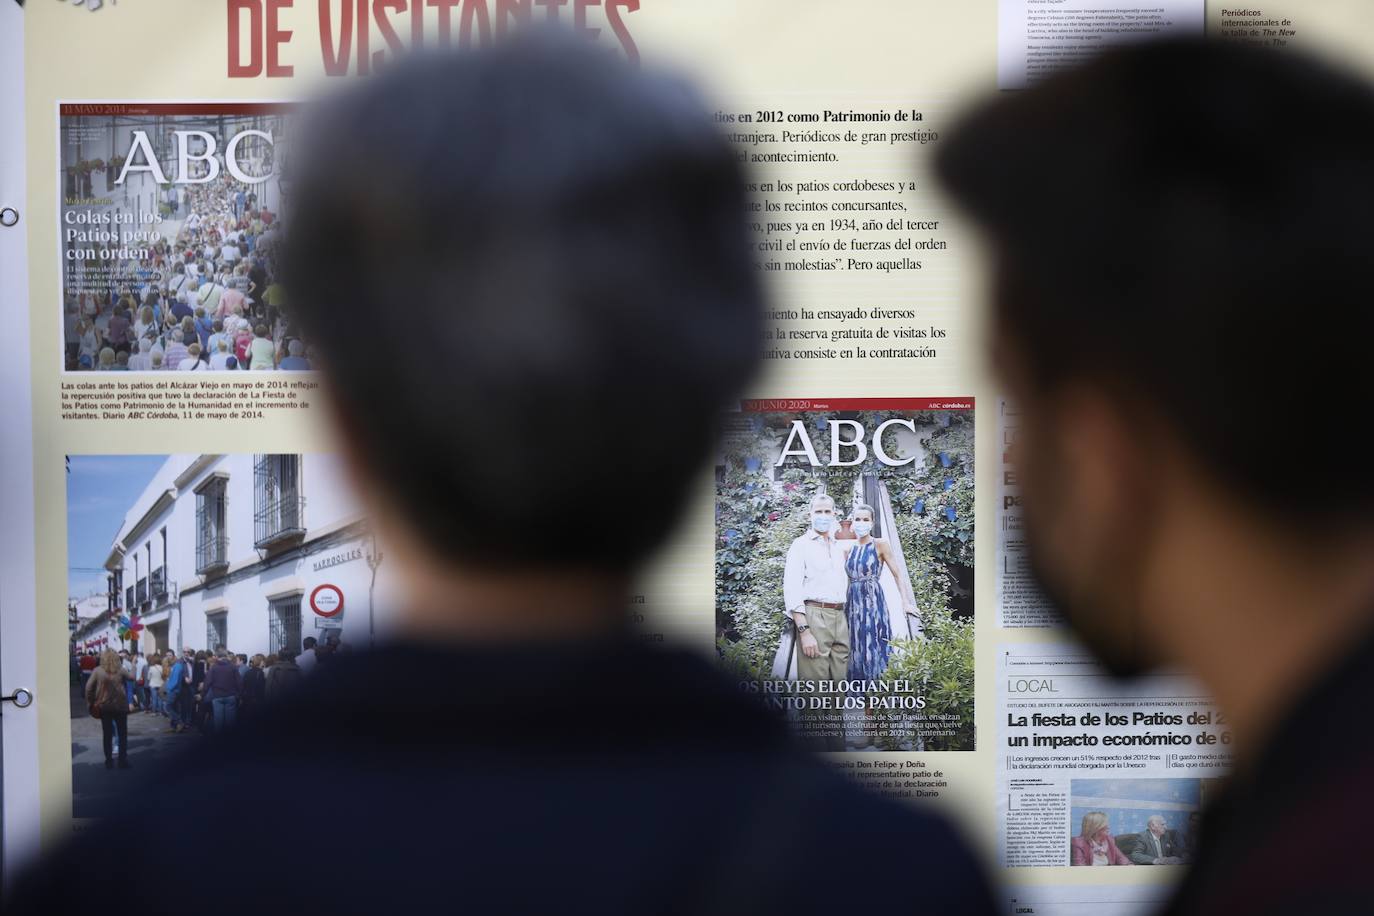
<point x="328" y="623"/>
<point x="327" y="600"/>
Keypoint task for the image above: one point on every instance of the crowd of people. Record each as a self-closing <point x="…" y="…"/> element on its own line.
<point x="207" y="298"/>
<point x="196" y="691"/>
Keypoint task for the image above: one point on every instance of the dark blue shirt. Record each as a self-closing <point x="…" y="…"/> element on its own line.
<point x="596" y="777"/>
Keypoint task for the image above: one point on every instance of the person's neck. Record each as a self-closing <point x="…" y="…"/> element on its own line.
<point x="1260" y="612"/>
<point x="474" y="606"/>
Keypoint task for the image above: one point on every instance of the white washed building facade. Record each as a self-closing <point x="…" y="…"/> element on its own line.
<point x="231" y="549"/>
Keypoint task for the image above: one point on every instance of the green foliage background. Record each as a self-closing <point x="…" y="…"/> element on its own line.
<point x="757" y="520"/>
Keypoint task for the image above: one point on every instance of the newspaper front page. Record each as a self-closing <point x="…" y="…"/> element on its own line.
<point x="1096" y="771"/>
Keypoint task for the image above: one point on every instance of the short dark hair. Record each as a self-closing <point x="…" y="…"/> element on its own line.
<point x="308" y="642"/>
<point x="548" y="249"/>
<point x="1157" y="229"/>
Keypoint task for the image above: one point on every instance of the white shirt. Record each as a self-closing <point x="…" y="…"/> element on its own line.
<point x="814" y="572"/>
<point x="306" y="660"/>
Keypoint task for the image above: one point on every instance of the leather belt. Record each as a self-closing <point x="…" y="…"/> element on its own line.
<point x="825" y="604"/>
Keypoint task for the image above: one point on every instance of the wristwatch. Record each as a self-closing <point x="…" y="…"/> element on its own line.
<point x="803" y="627"/>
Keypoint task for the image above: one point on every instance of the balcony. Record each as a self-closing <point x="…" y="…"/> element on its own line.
<point x="140" y="592"/>
<point x="279" y="520"/>
<point x="212" y="524"/>
<point x="212" y="549"/>
<point x="278" y="503"/>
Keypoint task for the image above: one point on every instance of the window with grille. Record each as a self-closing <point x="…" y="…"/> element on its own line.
<point x="212" y="524"/>
<point x="278" y="503"/>
<point x="216" y="631"/>
<point x="284" y="622"/>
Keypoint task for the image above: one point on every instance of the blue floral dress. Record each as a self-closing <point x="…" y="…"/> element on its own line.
<point x="870" y="632"/>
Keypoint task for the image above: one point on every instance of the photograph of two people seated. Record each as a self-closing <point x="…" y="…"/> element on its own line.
<point x="1178" y="304"/>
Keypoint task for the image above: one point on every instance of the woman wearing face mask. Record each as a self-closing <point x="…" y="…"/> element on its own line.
<point x="870" y="632"/>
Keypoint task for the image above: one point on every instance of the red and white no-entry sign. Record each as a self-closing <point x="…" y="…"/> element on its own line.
<point x="327" y="600"/>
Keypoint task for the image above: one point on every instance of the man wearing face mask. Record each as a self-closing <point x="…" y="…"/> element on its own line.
<point x="1181" y="316"/>
<point x="813" y="591"/>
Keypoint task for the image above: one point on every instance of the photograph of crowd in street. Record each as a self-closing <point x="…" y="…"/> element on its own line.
<point x="170" y="237"/>
<point x="201" y="587"/>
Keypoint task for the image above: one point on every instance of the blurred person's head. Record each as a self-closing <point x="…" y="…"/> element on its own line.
<point x="569" y="232"/>
<point x="1180" y="318"/>
<point x="110" y="662"/>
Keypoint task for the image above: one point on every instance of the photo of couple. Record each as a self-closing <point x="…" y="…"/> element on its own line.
<point x="844" y="586"/>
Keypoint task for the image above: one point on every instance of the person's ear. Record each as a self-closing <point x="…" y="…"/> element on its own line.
<point x="1107" y="467"/>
